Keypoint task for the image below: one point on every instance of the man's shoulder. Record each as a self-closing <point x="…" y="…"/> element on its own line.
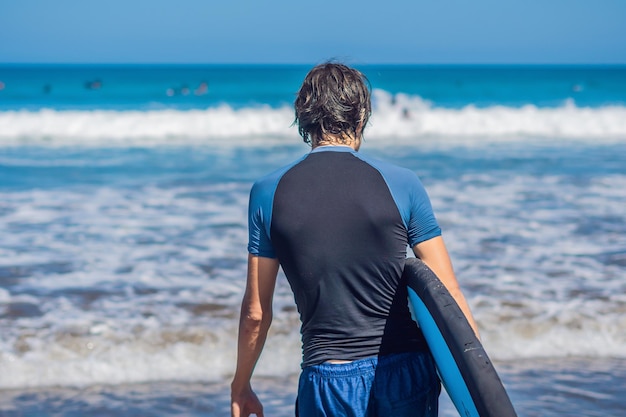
<point x="271" y="180"/>
<point x="389" y="169"/>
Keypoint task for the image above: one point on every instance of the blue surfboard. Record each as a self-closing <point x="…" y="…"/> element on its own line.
<point x="464" y="368"/>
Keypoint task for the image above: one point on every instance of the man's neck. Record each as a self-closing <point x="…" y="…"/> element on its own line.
<point x="345" y="140"/>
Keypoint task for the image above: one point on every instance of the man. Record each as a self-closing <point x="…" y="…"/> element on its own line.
<point x="339" y="223"/>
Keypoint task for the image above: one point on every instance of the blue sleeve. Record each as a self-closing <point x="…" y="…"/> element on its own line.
<point x="422" y="224"/>
<point x="259" y="220"/>
<point x="412" y="201"/>
<point x="260" y="212"/>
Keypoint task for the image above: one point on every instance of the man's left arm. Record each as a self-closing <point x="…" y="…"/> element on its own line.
<point x="254" y="323"/>
<point x="434" y="254"/>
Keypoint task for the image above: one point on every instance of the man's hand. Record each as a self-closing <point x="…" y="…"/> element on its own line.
<point x="244" y="402"/>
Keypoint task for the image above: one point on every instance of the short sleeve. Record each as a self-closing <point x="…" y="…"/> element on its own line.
<point x="259" y="218"/>
<point x="411" y="199"/>
<point x="422" y="224"/>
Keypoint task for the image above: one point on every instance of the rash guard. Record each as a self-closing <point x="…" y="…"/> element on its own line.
<point x="339" y="224"/>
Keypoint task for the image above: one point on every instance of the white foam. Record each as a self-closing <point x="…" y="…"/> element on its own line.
<point x="539" y="286"/>
<point x="530" y="329"/>
<point x="5" y="296"/>
<point x="406" y="116"/>
<point x="399" y="117"/>
<point x="91" y="351"/>
<point x="88" y="350"/>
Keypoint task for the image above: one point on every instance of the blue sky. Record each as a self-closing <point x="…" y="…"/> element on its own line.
<point x="294" y="31"/>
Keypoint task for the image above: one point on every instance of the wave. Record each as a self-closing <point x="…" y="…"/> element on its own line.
<point x="397" y="117"/>
<point x="101" y="354"/>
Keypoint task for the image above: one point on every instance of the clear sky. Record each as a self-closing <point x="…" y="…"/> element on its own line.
<point x="296" y="31"/>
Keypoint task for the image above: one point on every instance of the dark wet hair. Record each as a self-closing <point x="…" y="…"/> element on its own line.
<point x="333" y="99"/>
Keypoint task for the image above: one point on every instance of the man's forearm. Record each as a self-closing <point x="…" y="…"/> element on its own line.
<point x="253" y="329"/>
<point x="434" y="254"/>
<point x="254" y="323"/>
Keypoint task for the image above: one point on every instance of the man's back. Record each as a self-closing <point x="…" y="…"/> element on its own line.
<point x="341" y="238"/>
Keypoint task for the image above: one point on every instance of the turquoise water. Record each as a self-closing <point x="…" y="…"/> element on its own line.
<point x="123" y="224"/>
<point x="151" y="87"/>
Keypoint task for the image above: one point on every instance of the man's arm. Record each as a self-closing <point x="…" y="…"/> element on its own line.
<point x="254" y="323"/>
<point x="434" y="254"/>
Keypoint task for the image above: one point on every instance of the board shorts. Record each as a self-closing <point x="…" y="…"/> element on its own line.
<point x="397" y="385"/>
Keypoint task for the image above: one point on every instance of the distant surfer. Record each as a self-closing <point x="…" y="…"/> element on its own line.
<point x="338" y="223"/>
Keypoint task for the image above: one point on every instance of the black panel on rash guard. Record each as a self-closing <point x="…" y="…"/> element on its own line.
<point x="342" y="244"/>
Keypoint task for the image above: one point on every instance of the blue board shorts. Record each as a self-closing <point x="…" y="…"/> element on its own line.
<point x="398" y="385"/>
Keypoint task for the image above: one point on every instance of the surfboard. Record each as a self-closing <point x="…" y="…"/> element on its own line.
<point x="465" y="370"/>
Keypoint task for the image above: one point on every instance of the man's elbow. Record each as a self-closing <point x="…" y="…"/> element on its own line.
<point x="257" y="318"/>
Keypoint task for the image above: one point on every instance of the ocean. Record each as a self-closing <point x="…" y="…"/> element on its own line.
<point x="123" y="228"/>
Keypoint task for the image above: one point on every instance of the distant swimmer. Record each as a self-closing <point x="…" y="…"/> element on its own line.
<point x="47" y="89"/>
<point x="93" y="85"/>
<point x="2" y="85"/>
<point x="184" y="90"/>
<point x="202" y="89"/>
<point x="175" y="91"/>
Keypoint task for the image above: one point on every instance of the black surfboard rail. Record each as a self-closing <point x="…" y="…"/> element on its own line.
<point x="483" y="383"/>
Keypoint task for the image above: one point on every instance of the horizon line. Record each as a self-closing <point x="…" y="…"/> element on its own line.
<point x="303" y="64"/>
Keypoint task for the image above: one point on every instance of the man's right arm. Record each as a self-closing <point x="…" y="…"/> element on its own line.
<point x="254" y="323"/>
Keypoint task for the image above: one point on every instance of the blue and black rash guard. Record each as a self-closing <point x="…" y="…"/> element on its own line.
<point x="339" y="223"/>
